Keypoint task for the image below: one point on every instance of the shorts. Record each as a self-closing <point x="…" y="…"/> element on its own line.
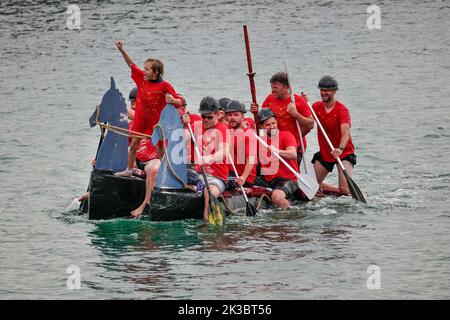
<point x="330" y="165"/>
<point x="141" y="164"/>
<point x="289" y="187"/>
<point x="194" y="177"/>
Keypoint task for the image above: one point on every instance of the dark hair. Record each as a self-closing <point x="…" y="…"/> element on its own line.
<point x="280" y="77"/>
<point x="157" y="66"/>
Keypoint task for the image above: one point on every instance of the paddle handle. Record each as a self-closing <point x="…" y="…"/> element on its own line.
<point x="325" y="135"/>
<point x="197" y="151"/>
<point x="237" y="175"/>
<point x="283" y="161"/>
<point x="296" y="122"/>
<point x="251" y="73"/>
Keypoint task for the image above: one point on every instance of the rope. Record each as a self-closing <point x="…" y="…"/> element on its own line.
<point x="225" y="203"/>
<point x="169" y="166"/>
<point x="119" y="130"/>
<point x="259" y="201"/>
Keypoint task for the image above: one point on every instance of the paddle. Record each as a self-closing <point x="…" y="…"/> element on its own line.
<point x="215" y="215"/>
<point x="307" y="173"/>
<point x="308" y="190"/>
<point x="354" y="190"/>
<point x="250" y="210"/>
<point x="251" y="74"/>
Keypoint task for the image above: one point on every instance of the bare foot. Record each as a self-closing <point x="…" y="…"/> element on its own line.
<point x="139" y="210"/>
<point x="84" y="196"/>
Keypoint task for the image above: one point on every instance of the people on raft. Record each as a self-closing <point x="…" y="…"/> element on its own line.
<point x="153" y="93"/>
<point x="148" y="159"/>
<point x="213" y="143"/>
<point x="243" y="149"/>
<point x="274" y="173"/>
<point x="222" y="107"/>
<point x="335" y="119"/>
<point x="287" y="114"/>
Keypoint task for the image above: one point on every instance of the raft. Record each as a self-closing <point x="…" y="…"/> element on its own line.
<point x="115" y="197"/>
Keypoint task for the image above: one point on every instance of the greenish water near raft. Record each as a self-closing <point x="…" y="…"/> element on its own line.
<point x="391" y="80"/>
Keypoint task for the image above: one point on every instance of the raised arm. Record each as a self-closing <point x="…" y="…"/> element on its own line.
<point x="128" y="60"/>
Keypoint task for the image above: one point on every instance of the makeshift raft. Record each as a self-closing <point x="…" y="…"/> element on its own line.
<point x="115" y="196"/>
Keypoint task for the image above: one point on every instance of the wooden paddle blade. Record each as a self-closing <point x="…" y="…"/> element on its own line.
<point x="215" y="215"/>
<point x="354" y="190"/>
<point x="250" y="210"/>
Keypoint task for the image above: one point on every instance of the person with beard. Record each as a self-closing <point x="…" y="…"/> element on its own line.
<point x="335" y="119"/>
<point x="286" y="112"/>
<point x="243" y="148"/>
<point x="274" y="173"/>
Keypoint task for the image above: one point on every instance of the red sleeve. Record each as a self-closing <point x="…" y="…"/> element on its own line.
<point x="344" y="115"/>
<point x="137" y="75"/>
<point x="266" y="102"/>
<point x="288" y="140"/>
<point x="172" y="91"/>
<point x="250" y="122"/>
<point x="315" y="106"/>
<point x="302" y="106"/>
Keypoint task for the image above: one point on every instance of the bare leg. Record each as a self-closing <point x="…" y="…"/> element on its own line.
<point x="343" y="186"/>
<point x="151" y="170"/>
<point x="84" y="196"/>
<point x="321" y="172"/>
<point x="279" y="198"/>
<point x="215" y="191"/>
<point x="132" y="151"/>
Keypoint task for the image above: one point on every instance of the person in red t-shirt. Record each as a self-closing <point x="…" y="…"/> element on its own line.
<point x="153" y="93"/>
<point x="275" y="174"/>
<point x="335" y="119"/>
<point x="280" y="102"/>
<point x="243" y="147"/>
<point x="212" y="140"/>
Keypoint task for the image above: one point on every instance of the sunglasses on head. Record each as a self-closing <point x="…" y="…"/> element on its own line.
<point x="207" y="117"/>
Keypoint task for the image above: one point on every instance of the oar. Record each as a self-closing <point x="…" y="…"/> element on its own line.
<point x="308" y="190"/>
<point x="354" y="190"/>
<point x="308" y="174"/>
<point x="250" y="210"/>
<point x="215" y="215"/>
<point x="250" y="74"/>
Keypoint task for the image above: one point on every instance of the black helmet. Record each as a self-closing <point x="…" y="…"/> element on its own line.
<point x="208" y="105"/>
<point x="133" y="94"/>
<point x="235" y="106"/>
<point x="223" y="103"/>
<point x="264" y="114"/>
<point x="328" y="83"/>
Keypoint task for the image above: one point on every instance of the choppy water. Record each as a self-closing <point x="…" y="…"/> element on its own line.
<point x="394" y="81"/>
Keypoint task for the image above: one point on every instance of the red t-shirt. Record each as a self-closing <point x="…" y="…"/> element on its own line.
<point x="151" y="100"/>
<point x="272" y="167"/>
<point x="244" y="146"/>
<point x="209" y="142"/>
<point x="332" y="122"/>
<point x="250" y="122"/>
<point x="196" y="125"/>
<point x="284" y="119"/>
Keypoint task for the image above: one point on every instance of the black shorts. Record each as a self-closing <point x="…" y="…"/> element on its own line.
<point x="289" y="187"/>
<point x="330" y="165"/>
<point x="141" y="164"/>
